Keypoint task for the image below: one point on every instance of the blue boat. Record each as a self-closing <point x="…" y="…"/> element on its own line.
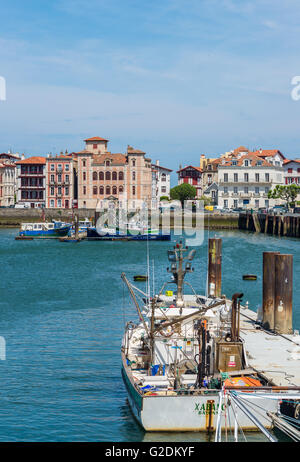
<point x="135" y="234"/>
<point x="44" y="229"/>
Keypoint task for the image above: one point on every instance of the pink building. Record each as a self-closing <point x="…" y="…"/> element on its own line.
<point x="31" y="181"/>
<point x="59" y="182"/>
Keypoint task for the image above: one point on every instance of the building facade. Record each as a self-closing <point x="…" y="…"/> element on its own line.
<point x="193" y="176"/>
<point x="31" y="182"/>
<point x="7" y="184"/>
<point x="104" y="176"/>
<point x="59" y="182"/>
<point x="244" y="181"/>
<point x="160" y="183"/>
<point x="291" y="172"/>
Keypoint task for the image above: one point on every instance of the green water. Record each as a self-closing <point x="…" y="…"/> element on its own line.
<point x="62" y="313"/>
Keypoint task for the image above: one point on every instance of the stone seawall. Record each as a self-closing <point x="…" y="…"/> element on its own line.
<point x="14" y="217"/>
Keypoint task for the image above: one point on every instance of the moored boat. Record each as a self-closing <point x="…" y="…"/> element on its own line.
<point x="137" y="233"/>
<point x="184" y="363"/>
<point x="45" y="229"/>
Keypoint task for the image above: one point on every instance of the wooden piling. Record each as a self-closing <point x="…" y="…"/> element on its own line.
<point x="283" y="294"/>
<point x="215" y="267"/>
<point x="268" y="304"/>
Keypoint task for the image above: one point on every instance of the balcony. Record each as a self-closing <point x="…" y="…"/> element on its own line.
<point x="242" y="182"/>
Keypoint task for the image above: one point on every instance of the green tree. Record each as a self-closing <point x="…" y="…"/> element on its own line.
<point x="183" y="192"/>
<point x="206" y="200"/>
<point x="287" y="193"/>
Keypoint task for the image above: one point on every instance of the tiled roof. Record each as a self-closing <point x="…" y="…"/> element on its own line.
<point x="154" y="166"/>
<point x="240" y="149"/>
<point x="190" y="166"/>
<point x="268" y="153"/>
<point x="32" y="160"/>
<point x="287" y="161"/>
<point x="96" y="138"/>
<point x="254" y="159"/>
<point x="60" y="157"/>
<point x="116" y="158"/>
<point x="132" y="150"/>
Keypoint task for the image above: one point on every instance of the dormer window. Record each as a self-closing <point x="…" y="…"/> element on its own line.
<point x="259" y="162"/>
<point x="234" y="162"/>
<point x="107" y="163"/>
<point x="246" y="163"/>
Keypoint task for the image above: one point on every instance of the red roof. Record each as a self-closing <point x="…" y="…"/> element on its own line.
<point x="116" y="158"/>
<point x="287" y="161"/>
<point x="132" y="150"/>
<point x="190" y="166"/>
<point x="32" y="160"/>
<point x="268" y="153"/>
<point x="96" y="138"/>
<point x="253" y="158"/>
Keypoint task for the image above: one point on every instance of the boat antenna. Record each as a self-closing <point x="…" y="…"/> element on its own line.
<point x="177" y="259"/>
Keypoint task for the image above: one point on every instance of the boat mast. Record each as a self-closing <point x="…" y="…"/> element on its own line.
<point x="177" y="259"/>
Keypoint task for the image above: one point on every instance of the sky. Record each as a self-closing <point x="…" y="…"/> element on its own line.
<point x="175" y="78"/>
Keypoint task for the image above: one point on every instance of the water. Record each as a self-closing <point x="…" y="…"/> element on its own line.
<point x="62" y="312"/>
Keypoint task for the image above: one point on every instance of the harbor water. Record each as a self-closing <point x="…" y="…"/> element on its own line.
<point x="63" y="308"/>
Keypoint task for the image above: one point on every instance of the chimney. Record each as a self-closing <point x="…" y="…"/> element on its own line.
<point x="157" y="162"/>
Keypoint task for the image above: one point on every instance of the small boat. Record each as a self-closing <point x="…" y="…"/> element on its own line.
<point x="249" y="277"/>
<point x="132" y="231"/>
<point x="140" y="278"/>
<point x="45" y="229"/>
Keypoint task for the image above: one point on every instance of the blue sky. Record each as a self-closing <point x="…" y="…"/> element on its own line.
<point x="176" y="78"/>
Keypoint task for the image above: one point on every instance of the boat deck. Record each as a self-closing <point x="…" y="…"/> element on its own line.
<point x="280" y="361"/>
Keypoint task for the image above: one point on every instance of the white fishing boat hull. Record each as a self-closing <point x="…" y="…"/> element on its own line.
<point x="186" y="413"/>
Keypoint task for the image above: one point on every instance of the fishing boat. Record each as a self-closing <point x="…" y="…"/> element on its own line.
<point x="83" y="225"/>
<point x="184" y="363"/>
<point x="132" y="231"/>
<point x="45" y="229"/>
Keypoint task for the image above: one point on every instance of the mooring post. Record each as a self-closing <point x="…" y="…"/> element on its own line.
<point x="76" y="226"/>
<point x="268" y="303"/>
<point x="283" y="323"/>
<point x="215" y="267"/>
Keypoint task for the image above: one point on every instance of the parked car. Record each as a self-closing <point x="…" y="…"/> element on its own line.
<point x="296" y="209"/>
<point x="21" y="206"/>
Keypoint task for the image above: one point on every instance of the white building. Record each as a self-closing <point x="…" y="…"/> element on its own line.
<point x="292" y="172"/>
<point x="160" y="183"/>
<point x="244" y="181"/>
<point x="7" y="184"/>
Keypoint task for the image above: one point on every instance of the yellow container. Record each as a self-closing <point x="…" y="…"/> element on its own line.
<point x="169" y="293"/>
<point x="209" y="207"/>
